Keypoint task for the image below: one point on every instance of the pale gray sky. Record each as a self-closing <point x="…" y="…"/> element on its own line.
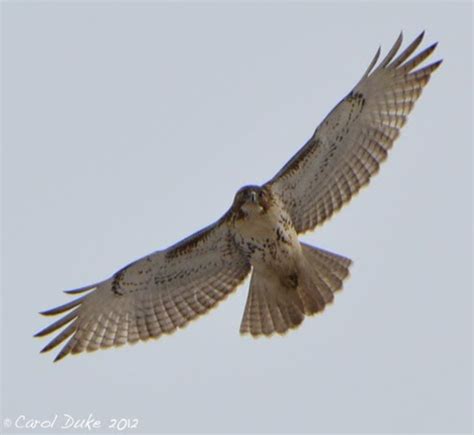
<point x="128" y="126"/>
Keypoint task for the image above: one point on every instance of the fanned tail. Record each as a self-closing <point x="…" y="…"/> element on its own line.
<point x="276" y="304"/>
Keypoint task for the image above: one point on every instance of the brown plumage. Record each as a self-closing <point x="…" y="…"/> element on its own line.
<point x="164" y="291"/>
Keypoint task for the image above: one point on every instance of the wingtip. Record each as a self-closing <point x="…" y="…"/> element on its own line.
<point x="82" y="289"/>
<point x="399" y="39"/>
<point x="419" y="38"/>
<point x="41" y="333"/>
<point x="54" y="311"/>
<point x="377" y="56"/>
<point x="78" y="291"/>
<point x="58" y="358"/>
<point x="436" y="64"/>
<point x="61" y="355"/>
<point x="45" y="349"/>
<point x="430" y="49"/>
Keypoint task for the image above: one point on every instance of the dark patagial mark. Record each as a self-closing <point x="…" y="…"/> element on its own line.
<point x="116" y="289"/>
<point x="356" y="97"/>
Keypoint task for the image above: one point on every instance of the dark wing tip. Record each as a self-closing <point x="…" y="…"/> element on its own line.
<point x="417" y="41"/>
<point x="42" y="332"/>
<point x="59" y="357"/>
<point x="45" y="349"/>
<point x="392" y="52"/>
<point x="81" y="290"/>
<point x="50" y="312"/>
<point x="372" y="63"/>
<point x="63" y="308"/>
<point x="436" y="64"/>
<point x="431" y="48"/>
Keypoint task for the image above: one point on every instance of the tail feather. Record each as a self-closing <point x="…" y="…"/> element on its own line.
<point x="338" y="265"/>
<point x="269" y="309"/>
<point x="277" y="305"/>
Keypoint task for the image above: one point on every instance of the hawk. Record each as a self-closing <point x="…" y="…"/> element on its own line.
<point x="290" y="280"/>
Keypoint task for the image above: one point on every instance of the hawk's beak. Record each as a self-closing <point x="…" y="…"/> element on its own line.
<point x="253" y="197"/>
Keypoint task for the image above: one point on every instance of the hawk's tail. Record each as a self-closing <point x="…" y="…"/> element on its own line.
<point x="277" y="304"/>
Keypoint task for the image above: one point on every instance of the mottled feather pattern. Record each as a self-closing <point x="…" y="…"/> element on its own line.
<point x="354" y="139"/>
<point x="153" y="296"/>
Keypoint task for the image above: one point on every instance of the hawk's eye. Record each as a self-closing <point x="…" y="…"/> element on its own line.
<point x="260" y="194"/>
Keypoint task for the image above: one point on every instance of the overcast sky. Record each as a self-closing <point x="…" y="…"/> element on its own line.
<point x="128" y="126"/>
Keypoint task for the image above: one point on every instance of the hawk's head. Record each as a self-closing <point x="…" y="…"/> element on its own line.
<point x="252" y="200"/>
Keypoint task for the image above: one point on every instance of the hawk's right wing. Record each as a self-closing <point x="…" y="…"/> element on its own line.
<point x="152" y="296"/>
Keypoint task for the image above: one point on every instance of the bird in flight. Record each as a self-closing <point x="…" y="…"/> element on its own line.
<point x="290" y="280"/>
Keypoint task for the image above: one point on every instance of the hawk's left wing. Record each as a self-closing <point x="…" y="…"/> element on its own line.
<point x="351" y="143"/>
<point x="155" y="295"/>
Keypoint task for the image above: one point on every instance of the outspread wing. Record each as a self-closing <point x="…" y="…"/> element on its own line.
<point x="351" y="143"/>
<point x="152" y="296"/>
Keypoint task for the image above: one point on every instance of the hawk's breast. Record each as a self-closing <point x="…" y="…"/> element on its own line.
<point x="268" y="237"/>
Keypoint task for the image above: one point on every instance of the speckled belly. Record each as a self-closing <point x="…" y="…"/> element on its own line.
<point x="269" y="240"/>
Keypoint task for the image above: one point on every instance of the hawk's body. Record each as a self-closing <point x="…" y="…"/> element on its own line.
<point x="165" y="290"/>
<point x="289" y="279"/>
<point x="266" y="234"/>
